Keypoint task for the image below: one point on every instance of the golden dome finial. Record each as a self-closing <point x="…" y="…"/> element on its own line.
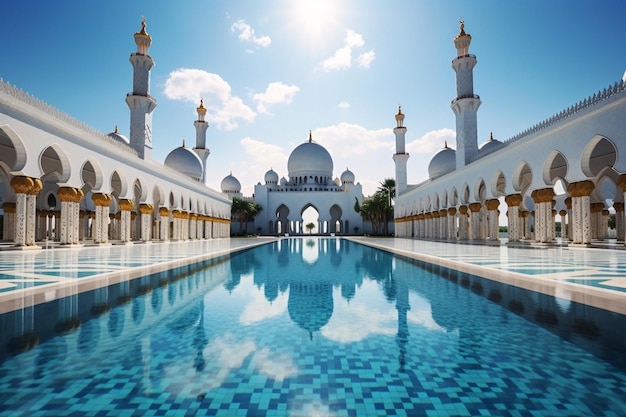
<point x="491" y="136"/>
<point x="116" y="129"/>
<point x="201" y="103"/>
<point x="310" y="137"/>
<point x="183" y="143"/>
<point x="445" y="145"/>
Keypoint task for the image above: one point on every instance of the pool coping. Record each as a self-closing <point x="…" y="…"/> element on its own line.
<point x="28" y="297"/>
<point x="602" y="298"/>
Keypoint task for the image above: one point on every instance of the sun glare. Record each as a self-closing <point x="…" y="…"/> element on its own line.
<point x="314" y="20"/>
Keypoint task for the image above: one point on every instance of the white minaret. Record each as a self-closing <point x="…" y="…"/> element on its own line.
<point x="201" y="150"/>
<point x="466" y="104"/>
<point x="140" y="102"/>
<point x="400" y="157"/>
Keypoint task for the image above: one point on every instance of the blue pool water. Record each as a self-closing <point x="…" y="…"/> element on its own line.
<point x="306" y="327"/>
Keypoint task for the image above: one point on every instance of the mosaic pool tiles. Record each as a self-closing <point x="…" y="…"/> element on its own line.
<point x="392" y="341"/>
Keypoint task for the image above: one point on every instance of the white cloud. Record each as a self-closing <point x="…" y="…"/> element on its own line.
<point x="263" y="156"/>
<point x="246" y="33"/>
<point x="342" y="58"/>
<point x="353" y="39"/>
<point x="432" y="141"/>
<point x="341" y="327"/>
<point x="350" y="140"/>
<point x="223" y="110"/>
<point x="275" y="93"/>
<point x="365" y="59"/>
<point x="343" y="105"/>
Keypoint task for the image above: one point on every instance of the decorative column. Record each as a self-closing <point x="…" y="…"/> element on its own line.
<point x="101" y="223"/>
<point x="8" y="226"/>
<point x="563" y="213"/>
<point x="581" y="210"/>
<point x="463" y="223"/>
<point x="525" y="224"/>
<point x="193" y="219"/>
<point x="82" y="226"/>
<point x="513" y="201"/>
<point x="26" y="190"/>
<point x="146" y="221"/>
<point x="451" y="223"/>
<point x="126" y="206"/>
<point x="605" y="224"/>
<point x="493" y="229"/>
<point x="164" y="223"/>
<point x="42" y="218"/>
<point x="619" y="220"/>
<point x="568" y="205"/>
<point x="443" y="223"/>
<point x="68" y="196"/>
<point x="475" y="220"/>
<point x="596" y="220"/>
<point x="200" y="226"/>
<point x="175" y="224"/>
<point x="543" y="214"/>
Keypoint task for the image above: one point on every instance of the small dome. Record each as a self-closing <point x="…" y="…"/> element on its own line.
<point x="283" y="181"/>
<point x="230" y="184"/>
<point x="442" y="163"/>
<point x="490" y="146"/>
<point x="271" y="177"/>
<point x="310" y="159"/>
<point x="337" y="181"/>
<point x="186" y="161"/>
<point x="119" y="137"/>
<point x="347" y="177"/>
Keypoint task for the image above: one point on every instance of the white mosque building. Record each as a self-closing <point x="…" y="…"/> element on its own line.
<point x="310" y="184"/>
<point x="570" y="167"/>
<point x="63" y="181"/>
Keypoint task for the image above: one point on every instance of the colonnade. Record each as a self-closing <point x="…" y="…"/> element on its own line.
<point x="24" y="225"/>
<point x="581" y="221"/>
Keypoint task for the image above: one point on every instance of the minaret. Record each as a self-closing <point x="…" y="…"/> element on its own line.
<point x="140" y="102"/>
<point x="201" y="150"/>
<point x="400" y="157"/>
<point x="466" y="104"/>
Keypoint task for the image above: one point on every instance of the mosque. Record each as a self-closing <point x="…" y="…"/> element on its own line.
<point x="310" y="185"/>
<point x="62" y="181"/>
<point x="571" y="167"/>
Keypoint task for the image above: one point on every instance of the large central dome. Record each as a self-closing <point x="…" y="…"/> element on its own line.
<point x="310" y="159"/>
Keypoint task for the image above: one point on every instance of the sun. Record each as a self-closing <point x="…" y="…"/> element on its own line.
<point x="314" y="21"/>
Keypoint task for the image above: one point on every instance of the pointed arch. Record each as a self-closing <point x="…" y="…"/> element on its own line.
<point x="599" y="153"/>
<point x="12" y="150"/>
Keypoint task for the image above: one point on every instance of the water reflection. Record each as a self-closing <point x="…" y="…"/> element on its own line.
<point x="307" y="271"/>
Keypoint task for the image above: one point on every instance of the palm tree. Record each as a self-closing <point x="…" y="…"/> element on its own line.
<point x="244" y="211"/>
<point x="310" y="226"/>
<point x="388" y="187"/>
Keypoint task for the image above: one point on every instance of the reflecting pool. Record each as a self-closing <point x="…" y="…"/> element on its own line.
<point x="313" y="326"/>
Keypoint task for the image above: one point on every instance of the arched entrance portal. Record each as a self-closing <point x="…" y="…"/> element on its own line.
<point x="311" y="215"/>
<point x="335" y="219"/>
<point x="282" y="221"/>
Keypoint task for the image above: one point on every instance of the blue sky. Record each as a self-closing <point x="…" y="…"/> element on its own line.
<point x="270" y="71"/>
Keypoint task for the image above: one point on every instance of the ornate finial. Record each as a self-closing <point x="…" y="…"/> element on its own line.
<point x="490" y="136"/>
<point x="116" y="129"/>
<point x="445" y="145"/>
<point x="310" y="137"/>
<point x="143" y="24"/>
<point x="201" y="103"/>
<point x="183" y="143"/>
